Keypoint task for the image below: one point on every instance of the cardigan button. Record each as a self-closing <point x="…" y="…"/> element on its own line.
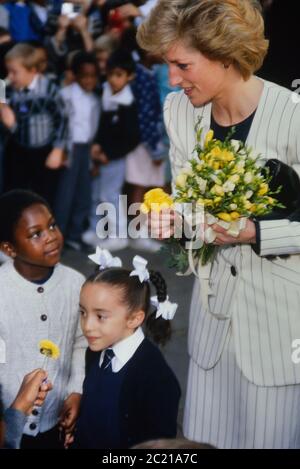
<point x="35" y="412"/>
<point x="44" y="317"/>
<point x="40" y="290"/>
<point x="32" y="426"/>
<point x="233" y="270"/>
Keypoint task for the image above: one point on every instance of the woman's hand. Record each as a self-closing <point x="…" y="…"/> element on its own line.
<point x="246" y="236"/>
<point x="161" y="224"/>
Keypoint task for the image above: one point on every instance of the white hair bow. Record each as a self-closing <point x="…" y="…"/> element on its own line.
<point x="104" y="259"/>
<point x="166" y="309"/>
<point x="139" y="264"/>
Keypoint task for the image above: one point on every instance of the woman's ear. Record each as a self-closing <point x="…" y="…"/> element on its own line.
<point x="136" y="319"/>
<point x="8" y="249"/>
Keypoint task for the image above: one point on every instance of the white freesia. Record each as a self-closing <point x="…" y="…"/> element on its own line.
<point x="202" y="183"/>
<point x="236" y="144"/>
<point x="233" y="206"/>
<point x="216" y="179"/>
<point x="248" y="177"/>
<point x="248" y="194"/>
<point x="228" y="186"/>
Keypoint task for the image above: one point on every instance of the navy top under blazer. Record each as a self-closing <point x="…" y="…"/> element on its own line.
<point x="148" y="400"/>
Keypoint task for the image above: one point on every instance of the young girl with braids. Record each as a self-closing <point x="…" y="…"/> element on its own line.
<point x="130" y="394"/>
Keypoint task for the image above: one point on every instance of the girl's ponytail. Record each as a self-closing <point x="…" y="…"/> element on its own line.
<point x="159" y="329"/>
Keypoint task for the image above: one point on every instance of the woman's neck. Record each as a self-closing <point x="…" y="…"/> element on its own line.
<point x="237" y="101"/>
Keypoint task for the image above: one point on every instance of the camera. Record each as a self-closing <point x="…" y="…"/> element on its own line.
<point x="68" y="9"/>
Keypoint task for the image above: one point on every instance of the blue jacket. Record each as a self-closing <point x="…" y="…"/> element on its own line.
<point x="149" y="397"/>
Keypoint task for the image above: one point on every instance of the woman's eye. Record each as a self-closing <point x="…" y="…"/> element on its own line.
<point x="81" y="312"/>
<point x="182" y="66"/>
<point x="53" y="226"/>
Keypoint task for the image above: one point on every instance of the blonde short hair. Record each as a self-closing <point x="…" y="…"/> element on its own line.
<point x="28" y="55"/>
<point x="105" y="43"/>
<point x="230" y="31"/>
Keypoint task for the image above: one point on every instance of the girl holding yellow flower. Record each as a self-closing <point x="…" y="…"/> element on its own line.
<point x="243" y="382"/>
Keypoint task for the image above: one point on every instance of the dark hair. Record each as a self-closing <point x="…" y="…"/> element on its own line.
<point x="4" y="32"/>
<point x="136" y="295"/>
<point x="121" y="58"/>
<point x="12" y="206"/>
<point x="81" y="58"/>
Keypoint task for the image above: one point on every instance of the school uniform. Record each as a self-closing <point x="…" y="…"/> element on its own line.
<point x="73" y="201"/>
<point x="134" y="400"/>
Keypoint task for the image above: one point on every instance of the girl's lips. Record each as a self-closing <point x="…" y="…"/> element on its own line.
<point x="91" y="339"/>
<point x="53" y="252"/>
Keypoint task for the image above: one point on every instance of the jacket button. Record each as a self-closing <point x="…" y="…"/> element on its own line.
<point x="40" y="290"/>
<point x="44" y="317"/>
<point x="32" y="426"/>
<point x="233" y="270"/>
<point x="35" y="412"/>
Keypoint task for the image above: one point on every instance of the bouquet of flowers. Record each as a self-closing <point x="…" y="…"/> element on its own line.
<point x="223" y="183"/>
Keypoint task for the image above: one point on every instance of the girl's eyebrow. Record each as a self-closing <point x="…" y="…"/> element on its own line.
<point x="32" y="227"/>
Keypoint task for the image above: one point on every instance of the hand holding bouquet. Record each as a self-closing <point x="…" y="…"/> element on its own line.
<point x="224" y="184"/>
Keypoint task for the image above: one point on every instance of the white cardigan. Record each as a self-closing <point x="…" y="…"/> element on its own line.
<point x="263" y="299"/>
<point x="22" y="306"/>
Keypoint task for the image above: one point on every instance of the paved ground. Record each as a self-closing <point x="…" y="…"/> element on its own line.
<point x="179" y="289"/>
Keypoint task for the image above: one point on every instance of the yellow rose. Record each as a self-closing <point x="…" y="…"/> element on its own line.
<point x="156" y="200"/>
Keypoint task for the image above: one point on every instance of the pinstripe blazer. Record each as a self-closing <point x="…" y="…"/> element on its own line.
<point x="260" y="298"/>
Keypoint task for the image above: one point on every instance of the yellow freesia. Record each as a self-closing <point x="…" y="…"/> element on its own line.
<point x="156" y="200"/>
<point x="49" y="349"/>
<point x="181" y="180"/>
<point x="234" y="215"/>
<point x="209" y="136"/>
<point x="224" y="216"/>
<point x="263" y="189"/>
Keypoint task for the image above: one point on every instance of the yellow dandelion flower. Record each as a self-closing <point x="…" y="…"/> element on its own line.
<point x="49" y="349"/>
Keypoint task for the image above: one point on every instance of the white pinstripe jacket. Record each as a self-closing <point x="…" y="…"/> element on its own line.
<point x="263" y="299"/>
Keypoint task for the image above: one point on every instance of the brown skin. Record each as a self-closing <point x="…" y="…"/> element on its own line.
<point x="33" y="392"/>
<point x="87" y="77"/>
<point x="37" y="243"/>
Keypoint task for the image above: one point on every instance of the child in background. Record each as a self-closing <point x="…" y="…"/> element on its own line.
<point x="104" y="47"/>
<point x="117" y="136"/>
<point x="38" y="300"/>
<point x="73" y="201"/>
<point x="37" y="125"/>
<point x="130" y="394"/>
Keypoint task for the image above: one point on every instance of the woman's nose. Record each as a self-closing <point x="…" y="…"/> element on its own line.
<point x="174" y="76"/>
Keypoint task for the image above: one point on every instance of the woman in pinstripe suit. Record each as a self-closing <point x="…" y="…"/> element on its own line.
<point x="243" y="387"/>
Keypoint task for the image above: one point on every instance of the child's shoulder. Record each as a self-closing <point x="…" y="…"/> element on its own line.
<point x="70" y="275"/>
